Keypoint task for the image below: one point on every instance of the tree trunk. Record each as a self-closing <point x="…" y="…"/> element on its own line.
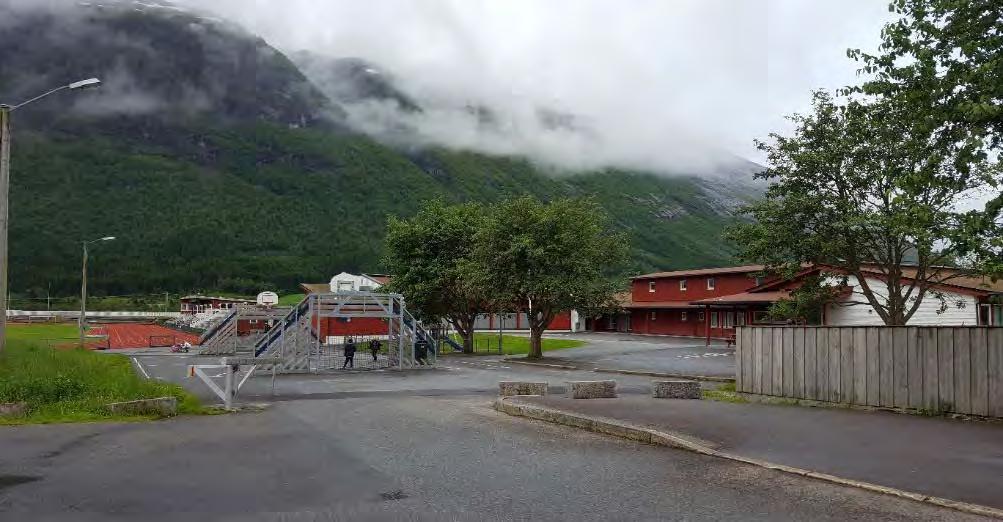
<point x="468" y="341"/>
<point x="535" y="342"/>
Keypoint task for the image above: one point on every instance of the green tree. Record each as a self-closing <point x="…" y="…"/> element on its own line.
<point x="942" y="61"/>
<point x="547" y="258"/>
<point x="426" y="254"/>
<point x="806" y="303"/>
<point x="858" y="188"/>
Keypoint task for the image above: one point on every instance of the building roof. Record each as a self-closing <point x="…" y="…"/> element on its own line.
<point x="379" y="278"/>
<point x="643" y="305"/>
<point x="217" y="298"/>
<point x="316" y="288"/>
<point x="745" y="298"/>
<point x="745" y="269"/>
<point x="951" y="279"/>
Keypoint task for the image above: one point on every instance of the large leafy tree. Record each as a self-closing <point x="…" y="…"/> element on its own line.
<point x="546" y="258"/>
<point x="942" y="60"/>
<point x="426" y="255"/>
<point x="859" y="188"/>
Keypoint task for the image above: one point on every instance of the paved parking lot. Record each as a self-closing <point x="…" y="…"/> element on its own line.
<point x="650" y="353"/>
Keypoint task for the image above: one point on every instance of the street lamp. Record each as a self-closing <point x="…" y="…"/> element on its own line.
<point x="5" y="139"/>
<point x="83" y="288"/>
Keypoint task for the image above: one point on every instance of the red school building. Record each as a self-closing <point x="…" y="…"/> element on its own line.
<point x="707" y="303"/>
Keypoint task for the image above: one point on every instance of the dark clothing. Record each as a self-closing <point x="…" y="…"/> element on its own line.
<point x="349" y="355"/>
<point x="374" y="347"/>
<point x="421" y="352"/>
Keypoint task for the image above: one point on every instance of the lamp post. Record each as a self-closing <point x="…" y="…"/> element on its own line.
<point x="5" y="139"/>
<point x="83" y="288"/>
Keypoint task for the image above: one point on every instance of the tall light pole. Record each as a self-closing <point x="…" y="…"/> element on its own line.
<point x="5" y="139"/>
<point x="83" y="288"/>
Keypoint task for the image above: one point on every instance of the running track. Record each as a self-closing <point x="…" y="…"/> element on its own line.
<point x="135" y="335"/>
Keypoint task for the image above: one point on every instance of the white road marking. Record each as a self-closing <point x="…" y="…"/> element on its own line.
<point x="135" y="360"/>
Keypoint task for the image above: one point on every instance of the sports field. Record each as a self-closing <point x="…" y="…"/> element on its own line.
<point x="120" y="335"/>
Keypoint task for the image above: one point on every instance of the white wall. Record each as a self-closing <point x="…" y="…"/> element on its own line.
<point x="926" y="315"/>
<point x="358" y="281"/>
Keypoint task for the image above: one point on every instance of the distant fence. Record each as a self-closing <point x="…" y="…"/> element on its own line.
<point x="936" y="369"/>
<point x="44" y="314"/>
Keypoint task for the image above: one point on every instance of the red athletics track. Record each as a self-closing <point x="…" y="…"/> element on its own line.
<point x="137" y="335"/>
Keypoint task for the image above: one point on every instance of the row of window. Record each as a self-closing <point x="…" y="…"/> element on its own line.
<point x="728" y="319"/>
<point x="711" y="284"/>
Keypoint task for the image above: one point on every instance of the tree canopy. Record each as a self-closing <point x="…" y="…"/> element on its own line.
<point x="546" y="258"/>
<point x="427" y="254"/>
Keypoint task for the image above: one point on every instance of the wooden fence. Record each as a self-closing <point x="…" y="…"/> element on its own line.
<point x="935" y="369"/>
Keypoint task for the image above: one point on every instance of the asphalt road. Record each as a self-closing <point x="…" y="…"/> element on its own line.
<point x="650" y="353"/>
<point x="394" y="457"/>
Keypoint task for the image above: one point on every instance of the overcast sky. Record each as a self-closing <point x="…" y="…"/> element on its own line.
<point x="663" y="82"/>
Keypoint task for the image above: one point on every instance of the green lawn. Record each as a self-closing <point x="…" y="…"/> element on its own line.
<point x="291" y="299"/>
<point x="72" y="385"/>
<point x="487" y="343"/>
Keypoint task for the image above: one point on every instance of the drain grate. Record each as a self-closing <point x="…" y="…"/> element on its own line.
<point x="396" y="494"/>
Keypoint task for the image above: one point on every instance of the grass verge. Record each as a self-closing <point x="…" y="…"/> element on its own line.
<point x="487" y="344"/>
<point x="724" y="393"/>
<point x="72" y="385"/>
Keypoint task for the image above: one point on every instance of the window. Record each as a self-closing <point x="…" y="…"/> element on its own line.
<point x="760" y="317"/>
<point x="713" y="319"/>
<point x="711" y="283"/>
<point x="739" y="318"/>
<point x="682" y="285"/>
<point x="759" y="280"/>
<point x="729" y="319"/>
<point x="346" y="286"/>
<point x="651" y="287"/>
<point x="701" y="317"/>
<point x="682" y="316"/>
<point x="652" y="316"/>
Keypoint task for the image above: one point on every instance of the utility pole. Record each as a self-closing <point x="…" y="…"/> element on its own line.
<point x="82" y="321"/>
<point x="5" y="138"/>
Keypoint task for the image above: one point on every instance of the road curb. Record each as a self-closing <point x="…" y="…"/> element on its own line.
<point x="659" y="438"/>
<point x="544" y="365"/>
<point x="666" y="375"/>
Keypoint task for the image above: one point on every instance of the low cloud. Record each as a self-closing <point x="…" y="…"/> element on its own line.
<point x="670" y="86"/>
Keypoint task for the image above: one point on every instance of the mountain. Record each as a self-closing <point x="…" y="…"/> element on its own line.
<point x="220" y="165"/>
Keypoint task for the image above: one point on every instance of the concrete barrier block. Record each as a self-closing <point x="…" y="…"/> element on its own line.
<point x="163" y="406"/>
<point x="512" y="388"/>
<point x="591" y="389"/>
<point x="13" y="409"/>
<point x="675" y="389"/>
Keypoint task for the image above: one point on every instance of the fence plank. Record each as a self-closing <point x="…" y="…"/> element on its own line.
<point x="798" y="372"/>
<point x="945" y="369"/>
<point x="980" y="372"/>
<point x="995" y="349"/>
<point x="835" y="355"/>
<point x="872" y="350"/>
<point x="810" y="364"/>
<point x="822" y="365"/>
<point x="846" y="384"/>
<point x="768" y="361"/>
<point x="858" y="368"/>
<point x="900" y="364"/>
<point x="931" y="388"/>
<point x="886" y="369"/>
<point x="917" y="368"/>
<point x="778" y="362"/>
<point x="788" y="362"/>
<point x="757" y="360"/>
<point x="962" y="370"/>
<point x="749" y="357"/>
<point x="739" y="378"/>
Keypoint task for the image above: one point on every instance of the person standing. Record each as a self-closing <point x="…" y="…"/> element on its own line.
<point x="349" y="354"/>
<point x="374" y="348"/>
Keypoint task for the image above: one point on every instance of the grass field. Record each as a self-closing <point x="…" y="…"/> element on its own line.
<point x="487" y="343"/>
<point x="291" y="299"/>
<point x="72" y="385"/>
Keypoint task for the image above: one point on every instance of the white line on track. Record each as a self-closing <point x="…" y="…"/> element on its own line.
<point x="135" y="360"/>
